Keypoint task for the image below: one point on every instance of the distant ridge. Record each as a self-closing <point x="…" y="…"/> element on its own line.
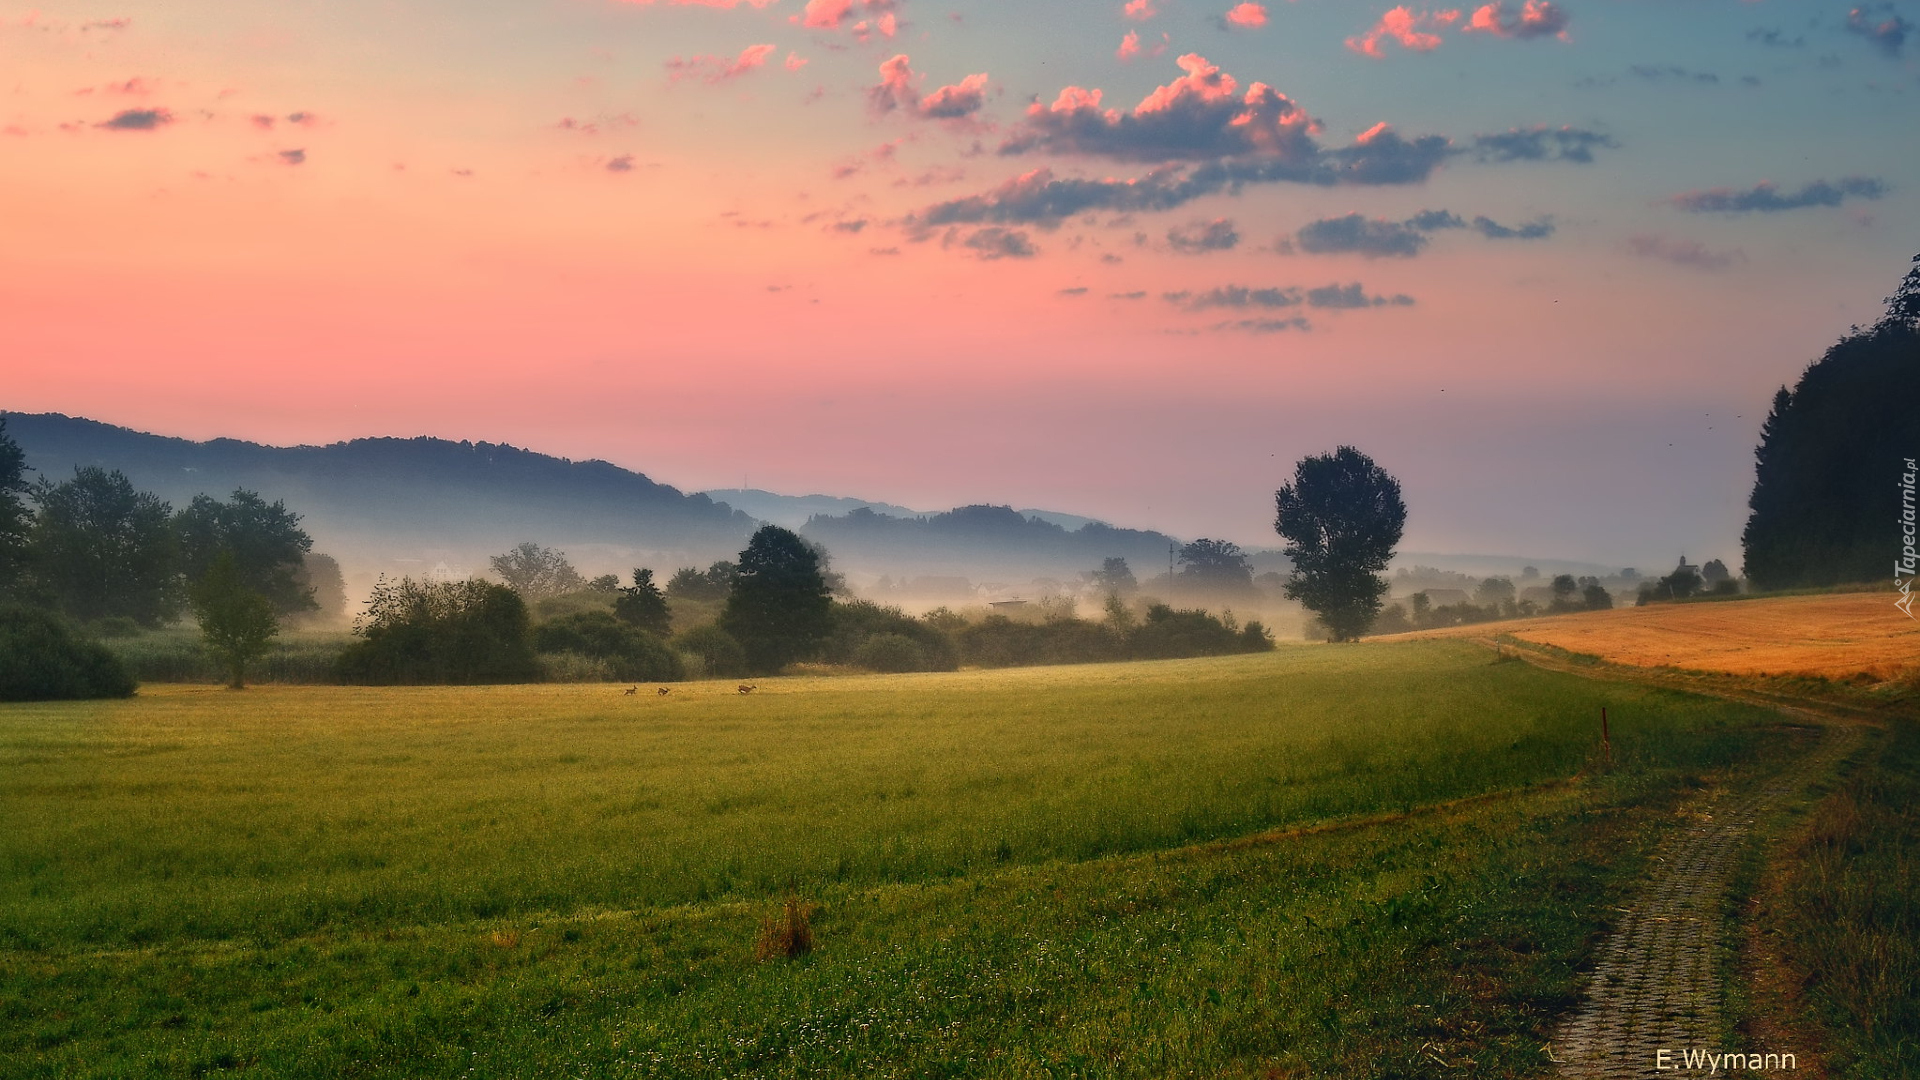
<point x="404" y="505"/>
<point x="384" y="504"/>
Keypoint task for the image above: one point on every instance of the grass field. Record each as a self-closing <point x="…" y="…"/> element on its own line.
<point x="564" y="880"/>
<point x="1831" y="635"/>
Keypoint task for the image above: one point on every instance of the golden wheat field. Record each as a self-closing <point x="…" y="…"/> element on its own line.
<point x="1837" y="635"/>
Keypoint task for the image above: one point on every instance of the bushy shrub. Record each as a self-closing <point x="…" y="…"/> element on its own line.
<point x="997" y="641"/>
<point x="721" y="657"/>
<point x="853" y="624"/>
<point x="42" y="659"/>
<point x="1168" y="634"/>
<point x="890" y="653"/>
<point x="628" y="651"/>
<point x="454" y="632"/>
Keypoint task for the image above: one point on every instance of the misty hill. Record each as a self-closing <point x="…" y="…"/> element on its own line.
<point x="400" y="505"/>
<point x="982" y="543"/>
<point x="793" y="511"/>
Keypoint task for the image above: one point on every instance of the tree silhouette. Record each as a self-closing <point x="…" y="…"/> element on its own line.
<point x="266" y="543"/>
<point x="1341" y="516"/>
<point x="642" y="604"/>
<point x="104" y="549"/>
<point x="537" y="572"/>
<point x="1115" y="577"/>
<point x="1831" y="454"/>
<point x="779" y="607"/>
<point x="1216" y="565"/>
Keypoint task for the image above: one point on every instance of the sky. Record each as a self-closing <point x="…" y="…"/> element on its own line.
<point x="1545" y="262"/>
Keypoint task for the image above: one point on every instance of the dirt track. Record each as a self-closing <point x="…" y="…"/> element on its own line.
<point x="1840" y="636"/>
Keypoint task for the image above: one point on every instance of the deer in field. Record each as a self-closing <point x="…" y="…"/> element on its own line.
<point x="663" y="691"/>
<point x="747" y="688"/>
<point x="631" y="690"/>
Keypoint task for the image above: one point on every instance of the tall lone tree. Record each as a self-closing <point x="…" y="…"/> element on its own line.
<point x="1826" y="481"/>
<point x="780" y="607"/>
<point x="1341" y="517"/>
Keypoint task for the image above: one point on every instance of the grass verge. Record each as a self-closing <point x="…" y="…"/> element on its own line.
<point x="1848" y="914"/>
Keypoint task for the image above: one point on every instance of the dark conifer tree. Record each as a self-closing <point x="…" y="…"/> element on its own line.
<point x="1826" y="499"/>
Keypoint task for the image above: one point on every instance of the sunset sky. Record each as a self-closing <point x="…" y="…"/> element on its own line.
<point x="1546" y="262"/>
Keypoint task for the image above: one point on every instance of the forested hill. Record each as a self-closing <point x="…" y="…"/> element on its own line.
<point x="982" y="542"/>
<point x="386" y="504"/>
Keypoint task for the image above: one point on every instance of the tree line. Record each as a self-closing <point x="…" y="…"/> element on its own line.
<point x="94" y="551"/>
<point x="778" y="604"/>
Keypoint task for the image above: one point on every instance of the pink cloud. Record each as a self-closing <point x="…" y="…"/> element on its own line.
<point x="833" y="14"/>
<point x="898" y="89"/>
<point x="1139" y="10"/>
<point x="716" y="69"/>
<point x="963" y="98"/>
<point x="1413" y="30"/>
<point x="1536" y="18"/>
<point x="1247" y="16"/>
<point x="795" y="61"/>
<point x="1202" y="114"/>
<point x="1130" y="46"/>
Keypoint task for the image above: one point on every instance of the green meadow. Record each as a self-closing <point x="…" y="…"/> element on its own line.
<point x="1356" y="859"/>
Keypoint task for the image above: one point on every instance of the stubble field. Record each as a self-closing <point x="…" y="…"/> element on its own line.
<point x="1835" y="636"/>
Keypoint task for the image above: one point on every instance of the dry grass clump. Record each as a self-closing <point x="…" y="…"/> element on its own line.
<point x="787" y="933"/>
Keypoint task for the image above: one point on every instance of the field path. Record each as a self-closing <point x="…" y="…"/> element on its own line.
<point x="1659" y="981"/>
<point x="1658" y="985"/>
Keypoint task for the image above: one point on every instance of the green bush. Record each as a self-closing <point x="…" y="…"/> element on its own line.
<point x="454" y="632"/>
<point x="890" y="653"/>
<point x="853" y="624"/>
<point x="1167" y="634"/>
<point x="997" y="641"/>
<point x="721" y="657"/>
<point x="42" y="659"/>
<point x="627" y="651"/>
